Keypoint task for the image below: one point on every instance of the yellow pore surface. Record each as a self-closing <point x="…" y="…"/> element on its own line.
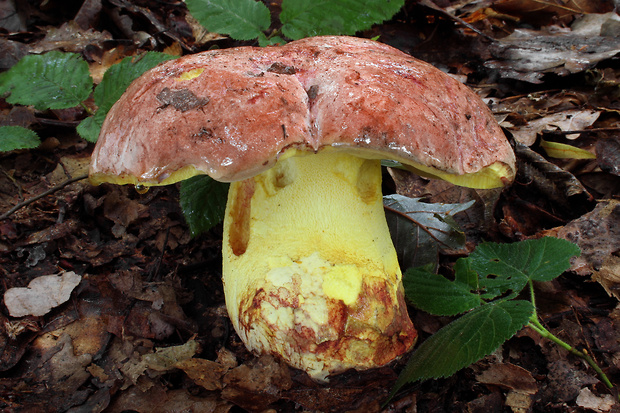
<point x="307" y="236"/>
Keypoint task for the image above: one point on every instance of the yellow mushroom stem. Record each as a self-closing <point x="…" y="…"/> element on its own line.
<point x="310" y="272"/>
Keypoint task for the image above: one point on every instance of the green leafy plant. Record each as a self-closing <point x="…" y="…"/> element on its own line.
<point x="250" y="19"/>
<point x="16" y="137"/>
<point x="203" y="201"/>
<point x="485" y="288"/>
<point x="57" y="80"/>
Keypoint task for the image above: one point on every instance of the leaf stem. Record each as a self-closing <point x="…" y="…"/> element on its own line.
<point x="41" y="195"/>
<point x="88" y="110"/>
<point x="537" y="326"/>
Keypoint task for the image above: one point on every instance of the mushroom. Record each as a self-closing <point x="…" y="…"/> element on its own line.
<point x="309" y="270"/>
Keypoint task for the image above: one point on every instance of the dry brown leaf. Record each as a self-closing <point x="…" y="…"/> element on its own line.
<point x="528" y="54"/>
<point x="519" y="382"/>
<point x="59" y="359"/>
<point x="565" y="381"/>
<point x="110" y="57"/>
<point x="159" y="362"/>
<point x="257" y="384"/>
<point x="201" y="34"/>
<point x="569" y="120"/>
<point x="509" y="376"/>
<point x="69" y="167"/>
<point x="474" y="221"/>
<point x="121" y="210"/>
<point x="161" y="400"/>
<point x="519" y="402"/>
<point x="41" y="295"/>
<point x="608" y="154"/>
<point x="165" y="359"/>
<point x="205" y="373"/>
<point x="55" y="374"/>
<point x="70" y="38"/>
<point x="598" y="235"/>
<point x="545" y="12"/>
<point x="549" y="185"/>
<point x="589" y="400"/>
<point x="609" y="275"/>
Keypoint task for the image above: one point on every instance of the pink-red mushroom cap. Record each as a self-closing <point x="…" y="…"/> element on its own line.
<point x="232" y="113"/>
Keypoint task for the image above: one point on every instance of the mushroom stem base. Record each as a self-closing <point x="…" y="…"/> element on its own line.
<point x="310" y="272"/>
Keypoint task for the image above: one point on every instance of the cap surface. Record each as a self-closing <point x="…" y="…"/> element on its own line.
<point x="231" y="113"/>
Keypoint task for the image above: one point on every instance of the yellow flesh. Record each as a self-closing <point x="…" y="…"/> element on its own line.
<point x="310" y="272"/>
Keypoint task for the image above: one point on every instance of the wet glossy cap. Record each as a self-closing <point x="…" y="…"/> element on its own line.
<point x="233" y="113"/>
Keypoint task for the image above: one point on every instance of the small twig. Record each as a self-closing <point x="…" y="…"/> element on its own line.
<point x="433" y="6"/>
<point x="155" y="272"/>
<point x="41" y="195"/>
<point x="14" y="182"/>
<point x="56" y="122"/>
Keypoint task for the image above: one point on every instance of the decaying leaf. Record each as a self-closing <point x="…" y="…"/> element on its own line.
<point x="68" y="167"/>
<point x="201" y="34"/>
<point x="159" y="399"/>
<point x="559" y="186"/>
<point x="55" y="374"/>
<point x="528" y="54"/>
<point x="547" y="196"/>
<point x="592" y="402"/>
<point x="257" y="384"/>
<point x="420" y="229"/>
<point x="160" y="361"/>
<point x="165" y="359"/>
<point x="205" y="373"/>
<point x="598" y="235"/>
<point x="41" y="295"/>
<point x="541" y="12"/>
<point x="519" y="382"/>
<point x="122" y="211"/>
<point x="608" y="155"/>
<point x="69" y="37"/>
<point x="568" y="120"/>
<point x="475" y="221"/>
<point x="565" y="382"/>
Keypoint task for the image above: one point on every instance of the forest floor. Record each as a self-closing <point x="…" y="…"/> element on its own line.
<point x="146" y="328"/>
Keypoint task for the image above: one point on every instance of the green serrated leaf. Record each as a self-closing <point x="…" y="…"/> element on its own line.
<point x="466" y="340"/>
<point x="465" y="275"/>
<point x="203" y="201"/>
<point x="240" y="19"/>
<point x="17" y="137"/>
<point x="90" y="127"/>
<point x="419" y="229"/>
<point x="114" y="83"/>
<point x="437" y="295"/>
<point x="303" y="18"/>
<point x="54" y="80"/>
<point x="264" y="41"/>
<point x="513" y="265"/>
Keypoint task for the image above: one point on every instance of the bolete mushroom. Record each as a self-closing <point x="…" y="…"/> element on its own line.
<point x="310" y="273"/>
